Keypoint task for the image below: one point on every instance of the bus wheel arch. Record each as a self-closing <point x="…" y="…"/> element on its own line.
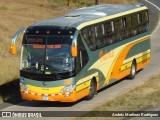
<point x="92" y="89"/>
<point x="133" y="69"/>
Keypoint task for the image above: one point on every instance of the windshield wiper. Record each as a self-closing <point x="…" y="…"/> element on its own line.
<point x="33" y="70"/>
<point x="52" y="67"/>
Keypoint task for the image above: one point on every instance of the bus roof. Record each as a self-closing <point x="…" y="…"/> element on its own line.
<point x="80" y="16"/>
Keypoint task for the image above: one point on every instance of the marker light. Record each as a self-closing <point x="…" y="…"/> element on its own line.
<point x="37" y="32"/>
<point x="70" y="32"/>
<point x="59" y="32"/>
<point x="48" y="32"/>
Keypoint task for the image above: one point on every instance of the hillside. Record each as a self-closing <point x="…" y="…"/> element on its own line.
<point x="22" y="13"/>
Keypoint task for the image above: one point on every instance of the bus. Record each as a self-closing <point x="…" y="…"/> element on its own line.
<point x="71" y="57"/>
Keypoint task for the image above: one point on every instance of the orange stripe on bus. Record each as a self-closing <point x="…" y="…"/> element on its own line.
<point x="114" y="72"/>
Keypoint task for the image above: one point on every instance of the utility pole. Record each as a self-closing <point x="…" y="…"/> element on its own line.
<point x="97" y="2"/>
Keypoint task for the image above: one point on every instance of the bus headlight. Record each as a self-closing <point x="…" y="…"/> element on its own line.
<point x="24" y="87"/>
<point x="22" y="84"/>
<point x="69" y="88"/>
<point x="22" y="80"/>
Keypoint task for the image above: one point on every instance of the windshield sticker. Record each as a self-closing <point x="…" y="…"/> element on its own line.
<point x="33" y="40"/>
<point x="39" y="46"/>
<point x="54" y="46"/>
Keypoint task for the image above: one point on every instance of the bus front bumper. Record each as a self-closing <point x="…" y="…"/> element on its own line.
<point x="62" y="97"/>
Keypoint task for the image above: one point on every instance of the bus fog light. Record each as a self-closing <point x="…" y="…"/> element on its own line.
<point x="22" y="80"/>
<point x="67" y="95"/>
<point x="69" y="88"/>
<point x="24" y="87"/>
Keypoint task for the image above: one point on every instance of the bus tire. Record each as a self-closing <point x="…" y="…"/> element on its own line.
<point x="132" y="70"/>
<point x="92" y="90"/>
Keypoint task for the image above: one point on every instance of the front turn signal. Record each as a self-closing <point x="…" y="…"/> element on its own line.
<point x="13" y="49"/>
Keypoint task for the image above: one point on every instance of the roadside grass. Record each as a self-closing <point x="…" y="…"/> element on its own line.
<point x="73" y="3"/>
<point x="143" y="97"/>
<point x="3" y="8"/>
<point x="119" y="1"/>
<point x="84" y="3"/>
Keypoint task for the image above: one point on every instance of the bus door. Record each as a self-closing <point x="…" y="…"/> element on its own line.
<point x="82" y="57"/>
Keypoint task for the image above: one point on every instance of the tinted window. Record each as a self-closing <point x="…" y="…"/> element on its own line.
<point x="124" y="22"/>
<point x="108" y="27"/>
<point x="115" y="30"/>
<point x="134" y="20"/>
<point x="82" y="57"/>
<point x="117" y="24"/>
<point x="139" y="16"/>
<point x="144" y="17"/>
<point x="99" y="35"/>
<point x="89" y="36"/>
<point x="129" y="23"/>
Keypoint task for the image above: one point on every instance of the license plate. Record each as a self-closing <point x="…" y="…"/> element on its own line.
<point x="45" y="98"/>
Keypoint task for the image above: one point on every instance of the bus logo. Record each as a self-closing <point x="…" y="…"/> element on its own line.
<point x="44" y="83"/>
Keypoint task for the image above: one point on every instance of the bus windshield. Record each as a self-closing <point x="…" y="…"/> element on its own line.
<point x="58" y="58"/>
<point x="47" y="54"/>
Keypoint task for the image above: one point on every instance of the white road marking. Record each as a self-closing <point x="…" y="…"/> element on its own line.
<point x="155" y="30"/>
<point x="153" y="4"/>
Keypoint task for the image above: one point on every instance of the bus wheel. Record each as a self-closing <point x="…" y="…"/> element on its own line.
<point x="133" y="70"/>
<point x="92" y="90"/>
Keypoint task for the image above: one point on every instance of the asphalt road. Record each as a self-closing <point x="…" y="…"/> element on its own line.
<point x="108" y="93"/>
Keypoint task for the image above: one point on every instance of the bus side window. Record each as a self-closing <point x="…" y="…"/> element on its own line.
<point x="134" y="20"/>
<point x="91" y="38"/>
<point x="144" y="21"/>
<point x="117" y="27"/>
<point x="146" y="16"/>
<point x="124" y="23"/>
<point x="109" y="29"/>
<point x="82" y="58"/>
<point x="84" y="34"/>
<point x="129" y="24"/>
<point x="109" y="40"/>
<point x="117" y="24"/>
<point x="134" y="24"/>
<point x="139" y="16"/>
<point x="140" y="26"/>
<point x="124" y="27"/>
<point x="147" y="20"/>
<point x="99" y="35"/>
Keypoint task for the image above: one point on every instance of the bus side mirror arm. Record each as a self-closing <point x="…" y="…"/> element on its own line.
<point x="81" y="59"/>
<point x="13" y="45"/>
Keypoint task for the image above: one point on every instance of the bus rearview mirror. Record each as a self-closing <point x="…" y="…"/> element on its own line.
<point x="13" y="49"/>
<point x="74" y="52"/>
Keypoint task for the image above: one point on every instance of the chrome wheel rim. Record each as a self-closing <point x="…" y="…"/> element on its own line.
<point x="133" y="70"/>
